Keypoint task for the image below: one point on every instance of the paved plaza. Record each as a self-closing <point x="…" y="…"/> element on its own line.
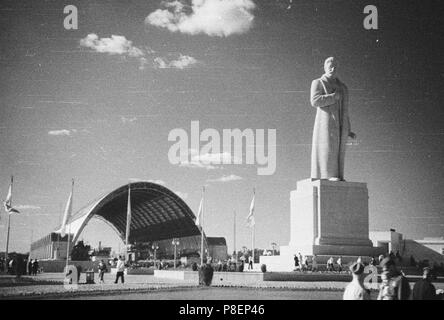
<point x="50" y="286"/>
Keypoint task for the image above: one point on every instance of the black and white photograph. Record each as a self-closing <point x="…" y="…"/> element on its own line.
<point x="221" y="154"/>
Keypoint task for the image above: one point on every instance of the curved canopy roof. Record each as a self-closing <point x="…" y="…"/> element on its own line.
<point x="157" y="213"/>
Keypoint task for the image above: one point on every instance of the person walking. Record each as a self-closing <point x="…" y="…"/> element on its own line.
<point x="355" y="290"/>
<point x="120" y="270"/>
<point x="394" y="284"/>
<point x="102" y="270"/>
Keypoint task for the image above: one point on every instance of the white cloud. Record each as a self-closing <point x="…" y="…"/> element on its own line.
<point x="114" y="45"/>
<point x="183" y="195"/>
<point x="229" y="178"/>
<point x="180" y="63"/>
<point x="120" y="45"/>
<point x="26" y="207"/>
<point x="212" y="17"/>
<point x="63" y="132"/>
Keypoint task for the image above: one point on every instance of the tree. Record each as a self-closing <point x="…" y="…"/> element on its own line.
<point x="80" y="252"/>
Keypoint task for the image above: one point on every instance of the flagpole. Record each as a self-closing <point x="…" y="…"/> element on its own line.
<point x="234" y="236"/>
<point x="128" y="221"/>
<point x="252" y="243"/>
<point x="69" y="230"/>
<point x="252" y="231"/>
<point x="9" y="225"/>
<point x="7" y="238"/>
<point x="201" y="228"/>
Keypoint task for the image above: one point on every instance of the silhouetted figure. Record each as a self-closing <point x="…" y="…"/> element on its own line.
<point x="35" y="267"/>
<point x="424" y="289"/>
<point x="296" y="262"/>
<point x="30" y="267"/>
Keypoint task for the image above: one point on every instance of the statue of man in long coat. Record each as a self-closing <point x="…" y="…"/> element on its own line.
<point x="332" y="125"/>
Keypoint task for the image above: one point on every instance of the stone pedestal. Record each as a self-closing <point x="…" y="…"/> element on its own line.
<point x="328" y="218"/>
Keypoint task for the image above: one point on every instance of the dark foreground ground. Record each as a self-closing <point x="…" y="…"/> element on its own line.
<point x="222" y="294"/>
<point x="143" y="287"/>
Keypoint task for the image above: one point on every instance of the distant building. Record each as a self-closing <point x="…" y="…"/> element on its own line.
<point x="435" y="244"/>
<point x="101" y="253"/>
<point x="427" y="249"/>
<point x="217" y="248"/>
<point x="51" y="247"/>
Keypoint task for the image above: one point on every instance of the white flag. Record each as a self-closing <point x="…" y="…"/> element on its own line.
<point x="8" y="202"/>
<point x="67" y="214"/>
<point x="250" y="217"/>
<point x="199" y="214"/>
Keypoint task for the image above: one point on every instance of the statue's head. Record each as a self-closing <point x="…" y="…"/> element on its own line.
<point x="331" y="67"/>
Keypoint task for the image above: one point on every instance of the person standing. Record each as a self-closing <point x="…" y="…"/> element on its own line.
<point x="300" y="261"/>
<point x="314" y="263"/>
<point x="102" y="270"/>
<point x="330" y="266"/>
<point x="305" y="263"/>
<point x="394" y="284"/>
<point x="424" y="289"/>
<point x="250" y="263"/>
<point x="34" y="267"/>
<point x="355" y="290"/>
<point x="120" y="270"/>
<point x="332" y="124"/>
<point x="339" y="262"/>
<point x="296" y="263"/>
<point x="30" y="267"/>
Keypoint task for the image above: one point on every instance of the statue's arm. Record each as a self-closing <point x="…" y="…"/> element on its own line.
<point x="318" y="98"/>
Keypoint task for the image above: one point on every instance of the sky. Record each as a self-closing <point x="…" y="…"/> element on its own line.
<point x="97" y="104"/>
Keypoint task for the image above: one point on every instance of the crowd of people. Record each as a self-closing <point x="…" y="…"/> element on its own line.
<point x="19" y="266"/>
<point x="394" y="285"/>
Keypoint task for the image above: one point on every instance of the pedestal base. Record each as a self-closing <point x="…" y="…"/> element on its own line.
<point x="329" y="214"/>
<point x="328" y="218"/>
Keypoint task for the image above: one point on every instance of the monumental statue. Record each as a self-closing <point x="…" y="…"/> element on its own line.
<point x="332" y="125"/>
<point x="328" y="215"/>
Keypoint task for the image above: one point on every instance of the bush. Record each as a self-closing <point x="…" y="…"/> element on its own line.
<point x="206" y="274"/>
<point x="194" y="266"/>
<point x="263" y="268"/>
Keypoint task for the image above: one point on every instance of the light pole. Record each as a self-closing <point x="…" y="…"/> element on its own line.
<point x="155" y="247"/>
<point x="175" y="243"/>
